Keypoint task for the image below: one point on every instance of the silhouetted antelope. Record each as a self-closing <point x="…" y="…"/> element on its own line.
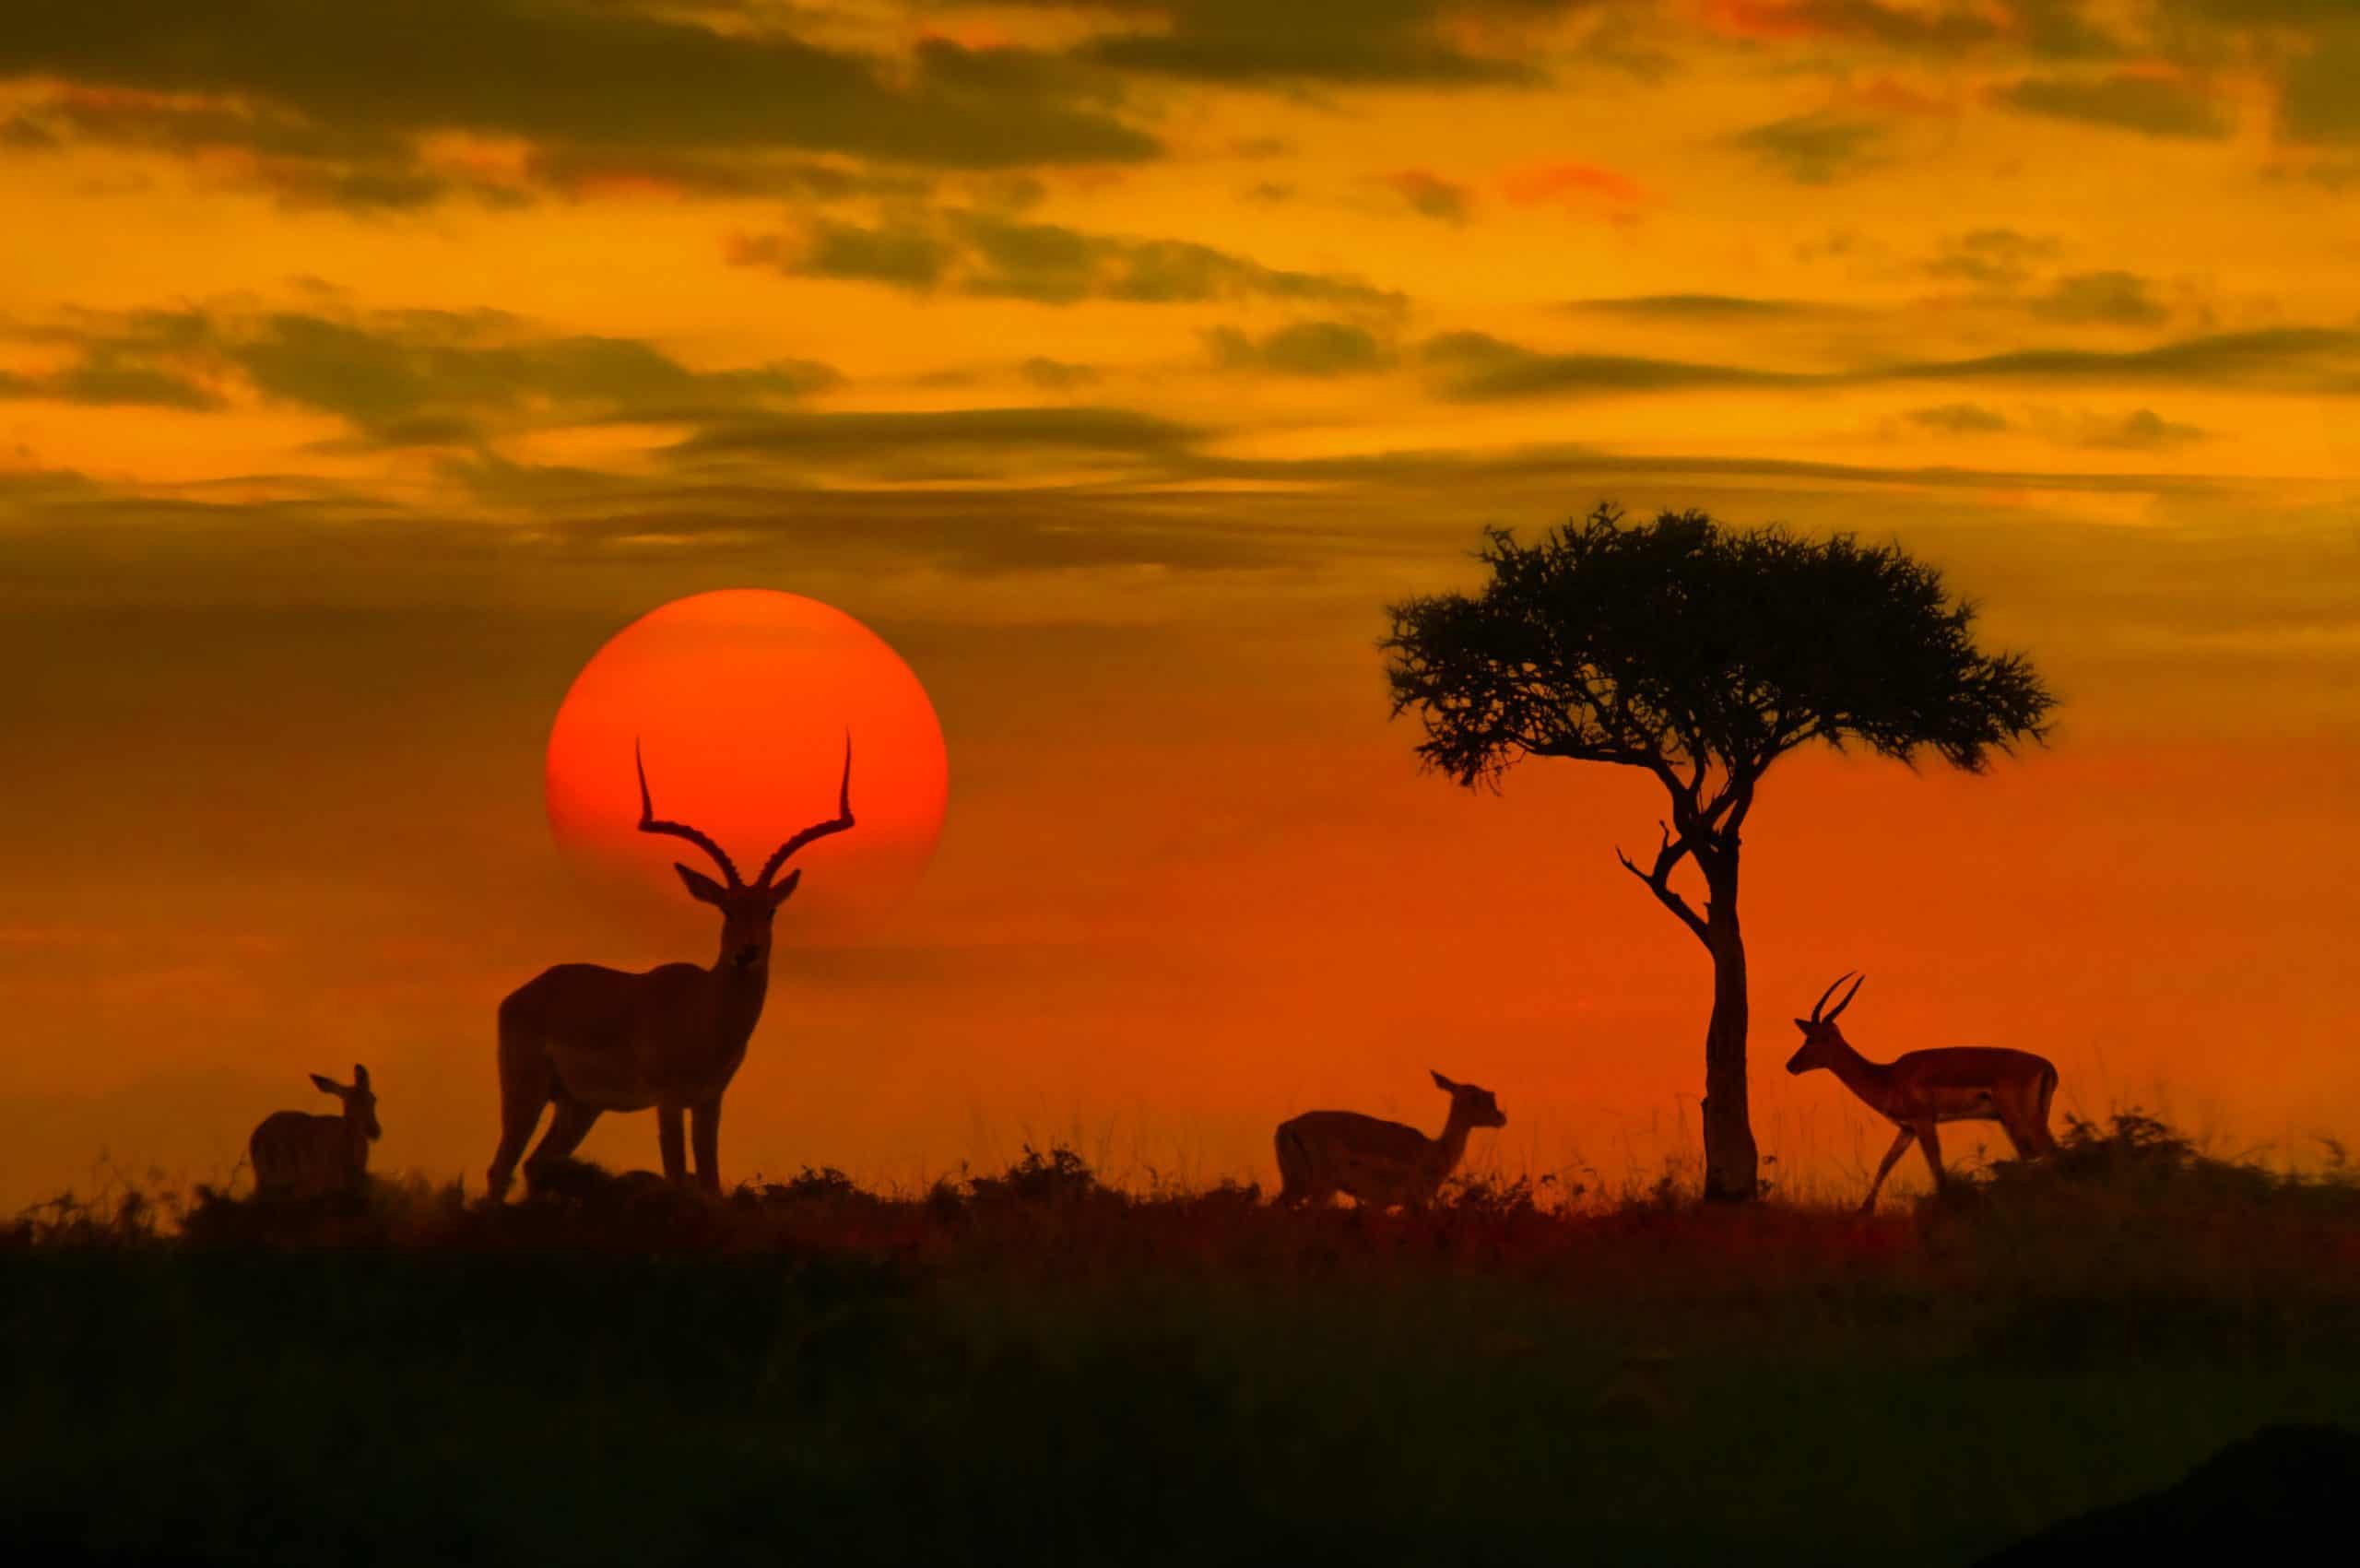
<point x="592" y="1039"/>
<point x="1380" y="1163"/>
<point x="1916" y="1091"/>
<point x="295" y="1154"/>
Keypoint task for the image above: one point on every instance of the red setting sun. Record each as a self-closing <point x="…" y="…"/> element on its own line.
<point x="741" y="703"/>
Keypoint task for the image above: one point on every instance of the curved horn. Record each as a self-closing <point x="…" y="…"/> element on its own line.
<point x="1829" y="991"/>
<point x="836" y="824"/>
<point x="648" y="824"/>
<point x="1847" y="999"/>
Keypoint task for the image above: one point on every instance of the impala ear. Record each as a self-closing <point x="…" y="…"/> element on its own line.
<point x="1803" y="1024"/>
<point x="784" y="887"/>
<point x="327" y="1085"/>
<point x="1443" y="1083"/>
<point x="360" y="1075"/>
<point x="702" y="887"/>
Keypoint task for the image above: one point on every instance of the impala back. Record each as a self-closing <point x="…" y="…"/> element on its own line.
<point x="298" y="1155"/>
<point x="1965" y="1082"/>
<point x="1376" y="1162"/>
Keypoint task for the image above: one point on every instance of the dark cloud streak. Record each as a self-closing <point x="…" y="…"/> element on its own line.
<point x="1330" y="42"/>
<point x="2153" y="106"/>
<point x="1960" y="419"/>
<point x="2112" y="299"/>
<point x="1702" y="307"/>
<point x="1813" y="149"/>
<point x="1305" y="348"/>
<point x="1477" y="368"/>
<point x="404" y="378"/>
<point x="956" y="443"/>
<point x="597" y="74"/>
<point x="991" y="256"/>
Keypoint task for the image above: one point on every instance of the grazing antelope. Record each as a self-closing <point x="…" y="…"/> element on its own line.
<point x="1959" y="1083"/>
<point x="295" y="1154"/>
<point x="1380" y="1163"/>
<point x="591" y="1038"/>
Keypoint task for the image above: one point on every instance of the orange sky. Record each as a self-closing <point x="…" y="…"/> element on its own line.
<point x="364" y="368"/>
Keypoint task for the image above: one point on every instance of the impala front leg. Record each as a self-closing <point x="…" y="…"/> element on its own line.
<point x="668" y="1140"/>
<point x="704" y="1131"/>
<point x="1869" y="1204"/>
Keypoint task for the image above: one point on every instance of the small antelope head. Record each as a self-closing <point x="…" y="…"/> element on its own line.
<point x="1470" y="1105"/>
<point x="360" y="1103"/>
<point x="1823" y="1043"/>
<point x="746" y="907"/>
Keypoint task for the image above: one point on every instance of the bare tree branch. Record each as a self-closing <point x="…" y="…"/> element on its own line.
<point x="1659" y="881"/>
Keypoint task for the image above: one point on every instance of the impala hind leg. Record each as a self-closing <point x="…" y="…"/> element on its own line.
<point x="567" y="1129"/>
<point x="1906" y="1136"/>
<point x="2023" y="1114"/>
<point x="1296" y="1184"/>
<point x="525" y="1082"/>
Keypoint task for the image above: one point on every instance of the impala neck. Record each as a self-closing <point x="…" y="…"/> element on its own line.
<point x="734" y="976"/>
<point x="1873" y="1081"/>
<point x="1451" y="1147"/>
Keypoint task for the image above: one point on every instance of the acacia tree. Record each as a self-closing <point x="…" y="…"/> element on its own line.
<point x="1703" y="654"/>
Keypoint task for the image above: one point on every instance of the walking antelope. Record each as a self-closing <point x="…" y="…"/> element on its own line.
<point x="591" y="1039"/>
<point x="1916" y="1091"/>
<point x="1380" y="1163"/>
<point x="295" y="1154"/>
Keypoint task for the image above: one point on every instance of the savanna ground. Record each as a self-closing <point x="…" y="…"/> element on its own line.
<point x="1035" y="1367"/>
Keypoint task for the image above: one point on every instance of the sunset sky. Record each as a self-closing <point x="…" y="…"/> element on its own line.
<point x="364" y="367"/>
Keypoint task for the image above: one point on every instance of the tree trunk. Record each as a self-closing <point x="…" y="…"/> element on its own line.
<point x="1730" y="1172"/>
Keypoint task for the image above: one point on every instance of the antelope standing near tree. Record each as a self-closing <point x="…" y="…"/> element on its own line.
<point x="1380" y="1163"/>
<point x="590" y="1039"/>
<point x="1923" y="1088"/>
<point x="295" y="1154"/>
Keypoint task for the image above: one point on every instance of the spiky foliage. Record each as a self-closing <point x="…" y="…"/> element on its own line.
<point x="1702" y="653"/>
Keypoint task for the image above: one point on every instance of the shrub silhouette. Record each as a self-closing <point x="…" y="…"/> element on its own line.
<point x="1060" y="1176"/>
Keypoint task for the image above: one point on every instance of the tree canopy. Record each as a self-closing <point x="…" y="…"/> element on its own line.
<point x="1701" y="654"/>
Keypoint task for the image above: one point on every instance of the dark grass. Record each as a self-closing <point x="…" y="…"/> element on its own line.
<point x="1033" y="1367"/>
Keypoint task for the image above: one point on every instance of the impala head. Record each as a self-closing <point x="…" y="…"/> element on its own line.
<point x="1822" y="1042"/>
<point x="746" y="907"/>
<point x="1469" y="1105"/>
<point x="359" y="1103"/>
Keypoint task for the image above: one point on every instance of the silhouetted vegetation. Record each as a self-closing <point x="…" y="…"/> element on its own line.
<point x="1033" y="1362"/>
<point x="1702" y="654"/>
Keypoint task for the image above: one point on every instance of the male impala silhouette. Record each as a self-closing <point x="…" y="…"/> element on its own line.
<point x="1920" y="1089"/>
<point x="590" y="1039"/>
